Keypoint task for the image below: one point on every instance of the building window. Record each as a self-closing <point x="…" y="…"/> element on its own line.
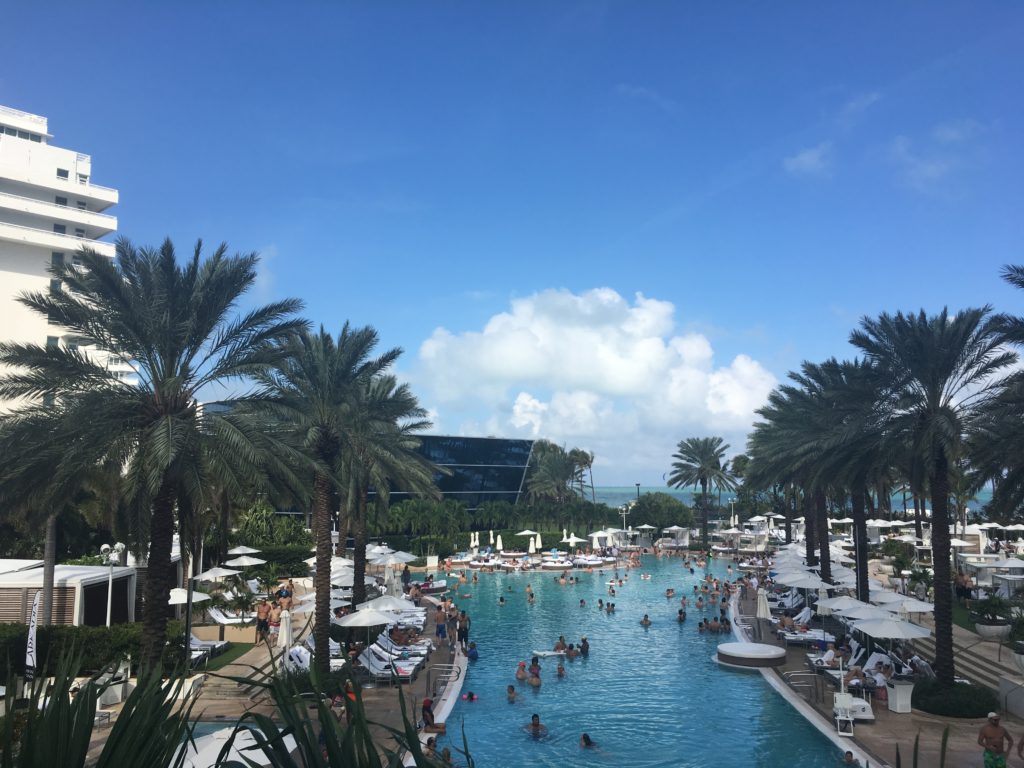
<point x="62" y="173"/>
<point x="54" y="285"/>
<point x="52" y="342"/>
<point x="60" y="200"/>
<point x="37" y="138"/>
<point x="48" y="400"/>
<point x="23" y="134"/>
<point x="82" y="205"/>
<point x="52" y="319"/>
<point x="10" y="131"/>
<point x="60" y="229"/>
<point x="56" y="259"/>
<point x="83" y="178"/>
<point x="79" y="232"/>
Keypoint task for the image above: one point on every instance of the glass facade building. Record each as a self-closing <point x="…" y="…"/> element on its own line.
<point x="482" y="468"/>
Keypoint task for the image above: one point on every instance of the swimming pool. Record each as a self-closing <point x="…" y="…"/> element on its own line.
<point x="647" y="696"/>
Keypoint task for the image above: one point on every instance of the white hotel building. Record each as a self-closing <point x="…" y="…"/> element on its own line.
<point x="49" y="209"/>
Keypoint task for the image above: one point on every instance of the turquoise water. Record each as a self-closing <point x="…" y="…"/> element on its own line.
<point x="647" y="696"/>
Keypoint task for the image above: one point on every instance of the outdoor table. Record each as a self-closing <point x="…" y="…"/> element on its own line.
<point x="899" y="695"/>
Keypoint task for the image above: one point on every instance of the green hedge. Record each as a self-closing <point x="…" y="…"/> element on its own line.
<point x="97" y="646"/>
<point x="961" y="700"/>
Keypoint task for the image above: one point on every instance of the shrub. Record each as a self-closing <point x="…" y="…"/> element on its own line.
<point x="289" y="560"/>
<point x="961" y="700"/>
<point x="96" y="646"/>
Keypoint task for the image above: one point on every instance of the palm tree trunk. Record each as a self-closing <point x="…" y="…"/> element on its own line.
<point x="359" y="539"/>
<point x="810" y="529"/>
<point x="821" y="519"/>
<point x="322" y="578"/>
<point x="49" y="563"/>
<point x="918" y="531"/>
<point x="159" y="576"/>
<point x="944" y="662"/>
<point x="703" y="513"/>
<point x="860" y="542"/>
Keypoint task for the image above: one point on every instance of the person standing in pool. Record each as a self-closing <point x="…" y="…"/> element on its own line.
<point x="511" y="693"/>
<point x="584" y="646"/>
<point x="463" y="631"/>
<point x="536" y="728"/>
<point x="521" y="671"/>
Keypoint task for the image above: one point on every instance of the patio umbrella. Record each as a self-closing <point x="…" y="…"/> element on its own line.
<point x="645" y="527"/>
<point x="891" y="629"/>
<point x="284" y="635"/>
<point x="386" y="603"/>
<point x="499" y="546"/>
<point x="532" y="548"/>
<point x="886" y="597"/>
<point x="909" y="605"/>
<point x="959" y="543"/>
<point x="674" y="528"/>
<point x="336" y="562"/>
<point x="526" y="532"/>
<point x="215" y="573"/>
<point x="1010" y="562"/>
<point x="245" y="561"/>
<point x="822" y="610"/>
<point x="396" y="558"/>
<point x="309" y="607"/>
<point x="490" y="535"/>
<point x="335" y="593"/>
<point x="839" y="604"/>
<point x="243" y="550"/>
<point x="538" y="544"/>
<point x="801" y="581"/>
<point x="179" y="596"/>
<point x="866" y="612"/>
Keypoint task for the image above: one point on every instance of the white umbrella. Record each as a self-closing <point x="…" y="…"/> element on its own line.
<point x="673" y="528"/>
<point x="891" y="629"/>
<point x="959" y="543"/>
<point x="490" y="535"/>
<point x="532" y="548"/>
<point x="386" y="603"/>
<point x="573" y="540"/>
<point x="347" y="579"/>
<point x="284" y="635"/>
<point x="863" y="612"/>
<point x="179" y="596"/>
<point x="335" y="593"/>
<point x="526" y="532"/>
<point x="645" y="527"/>
<point x="365" y="618"/>
<point x="800" y="581"/>
<point x="909" y="605"/>
<point x="243" y="550"/>
<point x="763" y="611"/>
<point x="822" y="610"/>
<point x="1010" y="562"/>
<point x="309" y="607"/>
<point x="245" y="561"/>
<point x="207" y="748"/>
<point x="886" y="597"/>
<point x="396" y="558"/>
<point x="538" y="544"/>
<point x="757" y="519"/>
<point x="841" y="603"/>
<point x="732" y="530"/>
<point x="499" y="546"/>
<point x="472" y="540"/>
<point x="843" y="521"/>
<point x="215" y="573"/>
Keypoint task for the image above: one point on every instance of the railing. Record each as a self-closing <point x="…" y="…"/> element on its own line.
<point x="25" y="115"/>
<point x="439" y="676"/>
<point x="37" y="231"/>
<point x="56" y="206"/>
<point x="97" y="186"/>
<point x="804" y="681"/>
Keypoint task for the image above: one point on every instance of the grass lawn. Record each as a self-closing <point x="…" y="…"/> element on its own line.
<point x="229" y="656"/>
<point x="962" y="617"/>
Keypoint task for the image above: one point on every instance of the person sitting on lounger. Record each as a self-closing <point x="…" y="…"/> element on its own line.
<point x="829" y="658"/>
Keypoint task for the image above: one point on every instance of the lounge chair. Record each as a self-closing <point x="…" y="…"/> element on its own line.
<point x="810" y="636"/>
<point x="213" y="647"/>
<point x="380" y="671"/>
<point x="842" y="710"/>
<point x="334" y="645"/>
<point x="420" y="647"/>
<point x="222" y="618"/>
<point x="387" y="657"/>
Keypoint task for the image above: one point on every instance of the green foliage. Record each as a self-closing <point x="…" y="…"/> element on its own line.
<point x="991" y="610"/>
<point x="288" y="560"/>
<point x="660" y="510"/>
<point x="901" y="552"/>
<point x="959" y="700"/>
<point x="87" y="560"/>
<point x="96" y="647"/>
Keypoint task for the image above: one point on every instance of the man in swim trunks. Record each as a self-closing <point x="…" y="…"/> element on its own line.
<point x="536" y="728"/>
<point x="463" y="631"/>
<point x="262" y="623"/>
<point x="991" y="738"/>
<point x="440" y="626"/>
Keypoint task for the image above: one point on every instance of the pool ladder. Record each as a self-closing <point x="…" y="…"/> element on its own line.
<point x="808" y="684"/>
<point x="439" y="676"/>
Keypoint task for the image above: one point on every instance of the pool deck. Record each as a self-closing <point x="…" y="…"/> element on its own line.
<point x="879" y="740"/>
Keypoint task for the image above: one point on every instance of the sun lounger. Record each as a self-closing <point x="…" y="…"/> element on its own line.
<point x="380" y="671"/>
<point x="810" y="636"/>
<point x="422" y="648"/>
<point x="334" y="645"/>
<point x="213" y="647"/>
<point x="299" y="657"/>
<point x="222" y="618"/>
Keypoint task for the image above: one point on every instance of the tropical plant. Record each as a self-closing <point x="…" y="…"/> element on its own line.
<point x="700" y="461"/>
<point x="937" y="377"/>
<point x="173" y="324"/>
<point x="553" y="475"/>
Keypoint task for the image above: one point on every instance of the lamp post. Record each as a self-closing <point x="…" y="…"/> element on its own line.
<point x="732" y="511"/>
<point x="113" y="555"/>
<point x="638" y="491"/>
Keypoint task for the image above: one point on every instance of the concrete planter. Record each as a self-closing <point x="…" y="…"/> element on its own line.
<point x="1018" y="659"/>
<point x="993" y="632"/>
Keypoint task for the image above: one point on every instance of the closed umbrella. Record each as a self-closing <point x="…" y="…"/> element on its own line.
<point x="532" y="548"/>
<point x="822" y="610"/>
<point x="763" y="610"/>
<point x="490" y="535"/>
<point x="284" y="636"/>
<point x="538" y="544"/>
<point x="499" y="546"/>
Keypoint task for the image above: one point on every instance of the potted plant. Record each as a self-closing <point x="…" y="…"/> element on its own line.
<point x="1017" y="640"/>
<point x="991" y="620"/>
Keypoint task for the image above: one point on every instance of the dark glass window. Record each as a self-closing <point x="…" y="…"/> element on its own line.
<point x="52" y="342"/>
<point x="56" y="259"/>
<point x="60" y="229"/>
<point x="61" y="200"/>
<point x="54" y="285"/>
<point x="62" y="173"/>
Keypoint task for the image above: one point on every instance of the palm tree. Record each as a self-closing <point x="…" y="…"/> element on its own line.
<point x="937" y="373"/>
<point x="553" y="473"/>
<point x="175" y="325"/>
<point x="700" y="461"/>
<point x="380" y="452"/>
<point x="311" y="397"/>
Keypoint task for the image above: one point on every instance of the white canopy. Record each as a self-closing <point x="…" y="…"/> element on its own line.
<point x="245" y="561"/>
<point x="892" y="629"/>
<point x="215" y="573"/>
<point x="865" y="612"/>
<point x="242" y="550"/>
<point x="645" y="527"/>
<point x="365" y="618"/>
<point x="386" y="603"/>
<point x="526" y="532"/>
<point x="179" y="596"/>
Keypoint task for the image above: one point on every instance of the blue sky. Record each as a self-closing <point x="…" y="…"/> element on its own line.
<point x="615" y="225"/>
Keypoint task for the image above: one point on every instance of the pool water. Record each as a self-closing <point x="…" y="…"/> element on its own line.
<point x="648" y="696"/>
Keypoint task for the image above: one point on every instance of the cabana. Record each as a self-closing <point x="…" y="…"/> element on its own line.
<point x="79" y="594"/>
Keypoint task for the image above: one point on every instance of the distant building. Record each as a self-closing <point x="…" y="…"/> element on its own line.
<point x="49" y="209"/>
<point x="483" y="468"/>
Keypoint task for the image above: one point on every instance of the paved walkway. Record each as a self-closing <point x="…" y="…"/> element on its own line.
<point x="892" y="730"/>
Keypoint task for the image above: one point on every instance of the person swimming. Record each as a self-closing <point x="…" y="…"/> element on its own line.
<point x="586" y="742"/>
<point x="645" y="621"/>
<point x="535" y="727"/>
<point x="511" y="694"/>
<point x="521" y="671"/>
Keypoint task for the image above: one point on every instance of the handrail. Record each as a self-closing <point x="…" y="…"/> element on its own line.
<point x="446" y="673"/>
<point x="58" y="206"/>
<point x="26" y="115"/>
<point x="97" y="186"/>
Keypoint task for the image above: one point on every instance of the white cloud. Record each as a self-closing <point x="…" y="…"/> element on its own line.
<point x="956" y="131"/>
<point x="592" y="370"/>
<point x="857" y="106"/>
<point x="813" y="161"/>
<point x="920" y="171"/>
<point x="651" y="96"/>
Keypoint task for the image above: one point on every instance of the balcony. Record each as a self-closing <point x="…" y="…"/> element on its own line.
<point x="100" y="222"/>
<point x="99" y="196"/>
<point x="15" y="233"/>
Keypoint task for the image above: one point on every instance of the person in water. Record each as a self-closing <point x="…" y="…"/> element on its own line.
<point x="511" y="693"/>
<point x="521" y="671"/>
<point x="586" y="742"/>
<point x="536" y="728"/>
<point x="645" y="621"/>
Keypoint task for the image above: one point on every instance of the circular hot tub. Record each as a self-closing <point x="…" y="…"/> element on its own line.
<point x="751" y="655"/>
